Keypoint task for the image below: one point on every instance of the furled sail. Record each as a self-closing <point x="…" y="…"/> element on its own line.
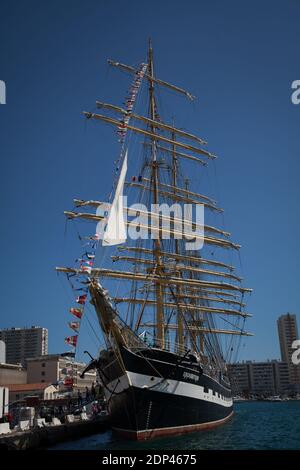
<point x="115" y="231"/>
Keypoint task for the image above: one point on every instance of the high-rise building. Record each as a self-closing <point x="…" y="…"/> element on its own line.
<point x="239" y="375"/>
<point x="22" y="343"/>
<point x="288" y="332"/>
<point x="259" y="378"/>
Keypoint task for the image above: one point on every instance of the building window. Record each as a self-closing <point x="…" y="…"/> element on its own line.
<point x="43" y="381"/>
<point x="43" y="373"/>
<point x="43" y="364"/>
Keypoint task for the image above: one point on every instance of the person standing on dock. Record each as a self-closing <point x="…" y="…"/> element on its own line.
<point x="93" y="392"/>
<point x="79" y="396"/>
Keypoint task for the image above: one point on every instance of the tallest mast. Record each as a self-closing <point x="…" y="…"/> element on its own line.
<point x="160" y="336"/>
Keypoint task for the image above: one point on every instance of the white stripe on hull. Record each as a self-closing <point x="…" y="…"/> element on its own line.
<point x="172" y="387"/>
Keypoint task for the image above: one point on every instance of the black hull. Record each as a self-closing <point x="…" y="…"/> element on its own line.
<point x="162" y="395"/>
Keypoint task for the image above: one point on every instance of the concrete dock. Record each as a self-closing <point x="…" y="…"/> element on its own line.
<point x="49" y="435"/>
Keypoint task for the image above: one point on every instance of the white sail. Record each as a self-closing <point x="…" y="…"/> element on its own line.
<point x="115" y="231"/>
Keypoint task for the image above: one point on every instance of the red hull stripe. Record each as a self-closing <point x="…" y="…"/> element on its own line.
<point x="178" y="430"/>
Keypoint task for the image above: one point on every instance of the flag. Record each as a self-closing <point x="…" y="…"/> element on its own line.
<point x="68" y="382"/>
<point x="74" y="325"/>
<point x="77" y="312"/>
<point x="96" y="237"/>
<point x="81" y="299"/>
<point x="85" y="269"/>
<point x="71" y="340"/>
<point x="89" y="263"/>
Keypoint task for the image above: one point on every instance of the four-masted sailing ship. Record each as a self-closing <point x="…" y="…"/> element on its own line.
<point x="170" y="316"/>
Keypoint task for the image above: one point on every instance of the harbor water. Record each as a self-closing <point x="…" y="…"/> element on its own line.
<point x="255" y="425"/>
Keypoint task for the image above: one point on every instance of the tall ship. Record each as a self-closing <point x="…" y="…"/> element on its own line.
<point x="157" y="271"/>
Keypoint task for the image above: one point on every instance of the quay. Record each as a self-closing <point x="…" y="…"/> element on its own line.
<point x="48" y="435"/>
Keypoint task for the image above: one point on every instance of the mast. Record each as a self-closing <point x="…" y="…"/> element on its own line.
<point x="180" y="333"/>
<point x="160" y="336"/>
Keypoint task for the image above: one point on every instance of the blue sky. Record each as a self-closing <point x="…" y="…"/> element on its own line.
<point x="238" y="58"/>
